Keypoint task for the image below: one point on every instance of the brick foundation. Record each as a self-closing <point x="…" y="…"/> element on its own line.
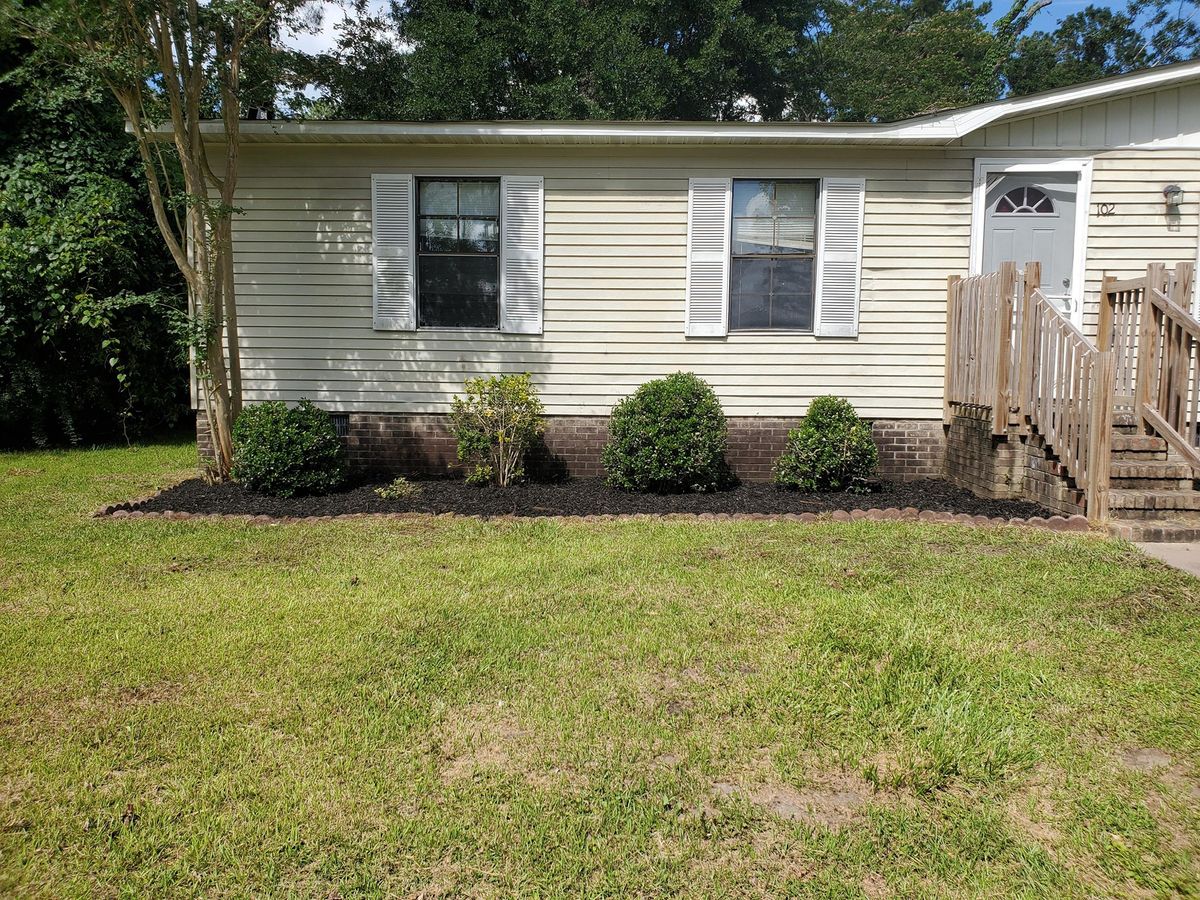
<point x="422" y="444"/>
<point x="1012" y="466"/>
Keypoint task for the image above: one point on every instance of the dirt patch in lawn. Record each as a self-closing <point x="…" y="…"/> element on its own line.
<point x="578" y="498"/>
<point x="833" y="800"/>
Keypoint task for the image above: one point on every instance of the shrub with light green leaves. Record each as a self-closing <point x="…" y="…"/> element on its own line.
<point x="832" y="450"/>
<point x="495" y="424"/>
<point x="287" y="451"/>
<point x="668" y="437"/>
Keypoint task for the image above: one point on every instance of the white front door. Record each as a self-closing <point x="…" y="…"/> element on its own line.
<point x="1030" y="217"/>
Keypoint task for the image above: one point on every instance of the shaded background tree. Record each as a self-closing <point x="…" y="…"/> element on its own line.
<point x="1098" y="41"/>
<point x="567" y="59"/>
<point x="87" y="291"/>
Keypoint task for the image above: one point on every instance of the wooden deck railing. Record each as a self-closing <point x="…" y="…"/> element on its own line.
<point x="1011" y="352"/>
<point x="1146" y="324"/>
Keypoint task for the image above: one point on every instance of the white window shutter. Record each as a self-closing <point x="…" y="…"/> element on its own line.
<point x="839" y="256"/>
<point x="706" y="300"/>
<point x="393" y="253"/>
<point x="521" y="256"/>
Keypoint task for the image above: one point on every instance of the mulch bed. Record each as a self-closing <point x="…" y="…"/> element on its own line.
<point x="582" y="497"/>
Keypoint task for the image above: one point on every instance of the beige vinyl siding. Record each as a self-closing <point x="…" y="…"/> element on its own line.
<point x="1170" y="115"/>
<point x="615" y="256"/>
<point x="1140" y="230"/>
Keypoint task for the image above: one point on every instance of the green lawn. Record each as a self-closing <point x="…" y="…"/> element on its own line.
<point x="442" y="708"/>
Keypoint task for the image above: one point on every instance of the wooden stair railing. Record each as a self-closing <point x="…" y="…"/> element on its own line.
<point x="1011" y="352"/>
<point x="1146" y="324"/>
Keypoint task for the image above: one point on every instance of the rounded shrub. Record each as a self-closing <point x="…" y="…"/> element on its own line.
<point x="832" y="450"/>
<point x="668" y="436"/>
<point x="285" y="451"/>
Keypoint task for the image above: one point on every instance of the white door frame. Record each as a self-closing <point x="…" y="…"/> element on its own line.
<point x="1083" y="196"/>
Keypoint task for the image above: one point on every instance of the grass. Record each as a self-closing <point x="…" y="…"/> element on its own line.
<point x="450" y="707"/>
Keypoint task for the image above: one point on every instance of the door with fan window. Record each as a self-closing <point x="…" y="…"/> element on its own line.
<point x="1031" y="217"/>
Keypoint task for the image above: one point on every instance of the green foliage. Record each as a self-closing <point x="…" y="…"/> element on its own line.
<point x="887" y="60"/>
<point x="832" y="450"/>
<point x="668" y="437"/>
<point x="1099" y="41"/>
<point x="285" y="451"/>
<point x="87" y="293"/>
<point x="562" y="59"/>
<point x="399" y="488"/>
<point x="495" y="424"/>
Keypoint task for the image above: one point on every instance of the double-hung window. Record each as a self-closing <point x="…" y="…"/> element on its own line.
<point x="773" y="254"/>
<point x="781" y="254"/>
<point x="458" y="252"/>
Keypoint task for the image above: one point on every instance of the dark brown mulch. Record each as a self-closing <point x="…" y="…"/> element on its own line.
<point x="578" y="498"/>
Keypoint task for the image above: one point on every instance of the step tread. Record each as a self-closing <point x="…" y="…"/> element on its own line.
<point x="1150" y="468"/>
<point x="1145" y="442"/>
<point x="1139" y="498"/>
<point x="1155" y="531"/>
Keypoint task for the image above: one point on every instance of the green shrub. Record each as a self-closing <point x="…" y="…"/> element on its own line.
<point x="495" y="424"/>
<point x="398" y="489"/>
<point x="286" y="451"/>
<point x="668" y="436"/>
<point x="832" y="450"/>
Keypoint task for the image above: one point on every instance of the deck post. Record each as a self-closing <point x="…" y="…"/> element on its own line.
<point x="1147" y="348"/>
<point x="1004" y="339"/>
<point x="1182" y="288"/>
<point x="952" y="284"/>
<point x="1103" y="390"/>
<point x="1026" y="356"/>
<point x="1104" y="329"/>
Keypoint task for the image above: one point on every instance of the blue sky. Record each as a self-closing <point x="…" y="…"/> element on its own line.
<point x="1048" y="17"/>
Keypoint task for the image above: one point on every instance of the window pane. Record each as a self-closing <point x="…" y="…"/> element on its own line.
<point x="439" y="198"/>
<point x="480" y="236"/>
<point x="792" y="294"/>
<point x="753" y="235"/>
<point x="796" y="198"/>
<point x="438" y="235"/>
<point x="771" y="293"/>
<point x="459" y="292"/>
<point x="478" y="198"/>
<point x="750" y="294"/>
<point x="752" y="198"/>
<point x="794" y="235"/>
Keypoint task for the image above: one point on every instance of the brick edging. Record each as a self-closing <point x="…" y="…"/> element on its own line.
<point x="908" y="514"/>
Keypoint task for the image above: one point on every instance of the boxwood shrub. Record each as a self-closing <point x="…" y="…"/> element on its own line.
<point x="832" y="450"/>
<point x="668" y="436"/>
<point x="285" y="451"/>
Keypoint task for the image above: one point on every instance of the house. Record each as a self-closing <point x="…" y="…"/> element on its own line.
<point x="379" y="264"/>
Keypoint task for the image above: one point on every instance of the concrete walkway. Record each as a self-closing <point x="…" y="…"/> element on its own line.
<point x="1185" y="557"/>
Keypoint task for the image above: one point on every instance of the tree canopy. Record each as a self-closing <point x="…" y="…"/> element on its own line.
<point x="851" y="60"/>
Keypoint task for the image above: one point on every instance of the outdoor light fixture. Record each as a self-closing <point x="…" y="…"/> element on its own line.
<point x="1174" y="195"/>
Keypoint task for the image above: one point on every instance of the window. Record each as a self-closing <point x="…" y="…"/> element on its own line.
<point x="1025" y="201"/>
<point x="774" y="254"/>
<point x="458" y="258"/>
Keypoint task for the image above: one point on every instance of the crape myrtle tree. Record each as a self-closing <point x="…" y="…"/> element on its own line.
<point x="170" y="64"/>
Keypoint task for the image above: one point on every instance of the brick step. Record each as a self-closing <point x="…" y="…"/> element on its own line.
<point x="1158" y="474"/>
<point x="1155" y="531"/>
<point x="1138" y="447"/>
<point x="1147" y="504"/>
<point x="1154" y="468"/>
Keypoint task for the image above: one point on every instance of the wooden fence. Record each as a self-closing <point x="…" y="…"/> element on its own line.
<point x="1009" y="350"/>
<point x="1146" y="324"/>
